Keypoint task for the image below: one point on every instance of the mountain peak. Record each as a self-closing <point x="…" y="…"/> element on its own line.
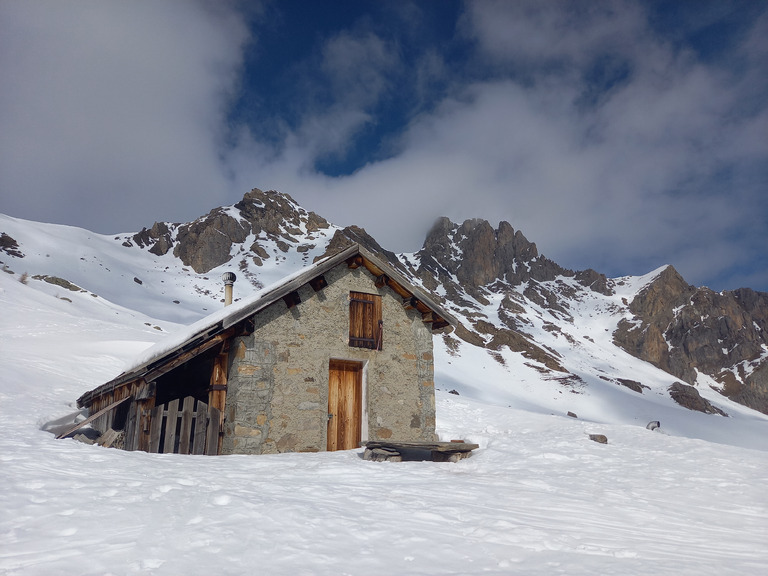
<point x="478" y="254"/>
<point x="207" y="242"/>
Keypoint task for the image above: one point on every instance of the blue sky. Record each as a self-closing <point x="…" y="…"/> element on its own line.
<point x="616" y="135"/>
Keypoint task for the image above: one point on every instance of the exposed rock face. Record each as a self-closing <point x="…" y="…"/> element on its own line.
<point x="478" y="255"/>
<point x="10" y="246"/>
<point x="276" y="215"/>
<point x="689" y="397"/>
<point x="683" y="329"/>
<point x="158" y="238"/>
<point x="208" y="241"/>
<point x="474" y="260"/>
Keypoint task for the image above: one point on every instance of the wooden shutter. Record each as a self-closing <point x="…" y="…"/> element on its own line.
<point x="365" y="328"/>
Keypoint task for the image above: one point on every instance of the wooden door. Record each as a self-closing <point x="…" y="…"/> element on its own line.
<point x="345" y="404"/>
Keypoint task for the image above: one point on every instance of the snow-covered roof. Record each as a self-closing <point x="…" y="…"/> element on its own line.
<point x="150" y="363"/>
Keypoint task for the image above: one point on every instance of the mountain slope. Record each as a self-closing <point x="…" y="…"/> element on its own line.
<point x="538" y="497"/>
<point x="544" y="327"/>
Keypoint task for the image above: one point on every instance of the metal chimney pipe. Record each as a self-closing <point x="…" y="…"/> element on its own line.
<point x="229" y="279"/>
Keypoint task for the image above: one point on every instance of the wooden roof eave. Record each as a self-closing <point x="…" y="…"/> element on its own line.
<point x="291" y="286"/>
<point x="375" y="266"/>
<point x="152" y="370"/>
<point x="440" y="317"/>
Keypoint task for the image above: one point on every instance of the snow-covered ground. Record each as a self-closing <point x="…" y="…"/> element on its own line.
<point x="538" y="497"/>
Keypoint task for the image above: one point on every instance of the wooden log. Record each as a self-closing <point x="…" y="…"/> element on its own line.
<point x="145" y="390"/>
<point x="170" y="426"/>
<point x="201" y="426"/>
<point x="156" y="428"/>
<point x="217" y="395"/>
<point x="292" y="299"/>
<point x="185" y="433"/>
<point x="91" y="418"/>
<point x="318" y="283"/>
<point x="84" y="439"/>
<point x="145" y="408"/>
<point x="381" y="455"/>
<point x="131" y="427"/>
<point x="108" y="438"/>
<point x="438" y="456"/>
<point x="432" y="446"/>
<point x="212" y="436"/>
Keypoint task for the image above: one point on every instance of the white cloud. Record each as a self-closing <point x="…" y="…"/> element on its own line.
<point x="112" y="106"/>
<point x="605" y="144"/>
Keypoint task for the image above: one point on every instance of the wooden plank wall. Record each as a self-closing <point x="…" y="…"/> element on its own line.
<point x="180" y="427"/>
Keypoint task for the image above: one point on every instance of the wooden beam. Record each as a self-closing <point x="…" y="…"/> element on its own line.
<point x="410" y="303"/>
<point x="427" y="317"/>
<point x="144" y="412"/>
<point x="292" y="299"/>
<point x="381" y="281"/>
<point x="318" y="283"/>
<point x="91" y="418"/>
<point x="217" y="397"/>
<point x="145" y="390"/>
<point x="355" y="262"/>
<point x="214" y="437"/>
<point x="245" y="327"/>
<point x="179" y="360"/>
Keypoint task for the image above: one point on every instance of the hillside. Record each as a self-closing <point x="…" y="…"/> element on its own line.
<point x="546" y="328"/>
<point x="537" y="342"/>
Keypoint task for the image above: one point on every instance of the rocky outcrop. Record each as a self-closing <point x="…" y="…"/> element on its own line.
<point x="686" y="330"/>
<point x="208" y="241"/>
<point x="277" y="216"/>
<point x="689" y="397"/>
<point x="469" y="261"/>
<point x="10" y="246"/>
<point x="158" y="238"/>
<point x="478" y="255"/>
<point x="679" y="328"/>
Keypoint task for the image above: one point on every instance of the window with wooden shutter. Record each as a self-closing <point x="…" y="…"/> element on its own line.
<point x="365" y="324"/>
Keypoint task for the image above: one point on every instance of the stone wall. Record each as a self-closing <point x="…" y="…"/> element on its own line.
<point x="277" y="398"/>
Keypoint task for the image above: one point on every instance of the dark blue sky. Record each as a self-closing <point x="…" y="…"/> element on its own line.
<point x="617" y="135"/>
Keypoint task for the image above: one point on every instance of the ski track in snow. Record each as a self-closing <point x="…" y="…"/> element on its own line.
<point x="538" y="497"/>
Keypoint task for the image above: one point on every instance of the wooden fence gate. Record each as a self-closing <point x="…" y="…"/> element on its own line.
<point x="193" y="429"/>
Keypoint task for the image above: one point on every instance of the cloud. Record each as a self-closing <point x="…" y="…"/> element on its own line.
<point x="109" y="107"/>
<point x="608" y="142"/>
<point x="663" y="167"/>
<point x="540" y="36"/>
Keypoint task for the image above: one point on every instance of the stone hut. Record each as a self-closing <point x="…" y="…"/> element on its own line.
<point x="334" y="355"/>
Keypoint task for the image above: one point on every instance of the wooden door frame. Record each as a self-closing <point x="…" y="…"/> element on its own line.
<point x="363" y="393"/>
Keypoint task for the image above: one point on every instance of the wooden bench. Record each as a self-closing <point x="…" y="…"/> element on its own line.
<point x="385" y="451"/>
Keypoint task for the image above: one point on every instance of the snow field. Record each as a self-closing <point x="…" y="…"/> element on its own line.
<point x="538" y="497"/>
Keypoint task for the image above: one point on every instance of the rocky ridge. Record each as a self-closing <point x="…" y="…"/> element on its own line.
<point x="677" y="327"/>
<point x="240" y="230"/>
<point x="686" y="330"/>
<point x="508" y="297"/>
